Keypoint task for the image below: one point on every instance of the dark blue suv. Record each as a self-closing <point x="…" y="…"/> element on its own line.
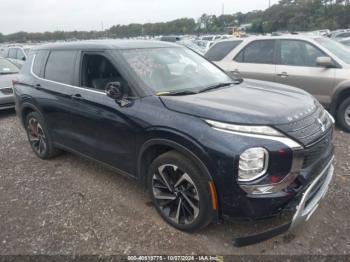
<point x="206" y="146"/>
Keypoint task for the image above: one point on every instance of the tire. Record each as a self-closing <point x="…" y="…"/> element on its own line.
<point x="163" y="182"/>
<point x="343" y="115"/>
<point x="38" y="136"/>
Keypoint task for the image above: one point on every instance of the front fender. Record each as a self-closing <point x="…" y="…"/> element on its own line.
<point x="180" y="142"/>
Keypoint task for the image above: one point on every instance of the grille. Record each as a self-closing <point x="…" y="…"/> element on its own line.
<point x="6" y="91"/>
<point x="313" y="153"/>
<point x="310" y="129"/>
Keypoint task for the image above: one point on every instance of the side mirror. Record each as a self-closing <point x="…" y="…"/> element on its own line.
<point x="115" y="90"/>
<point x="23" y="58"/>
<point x="324" y="61"/>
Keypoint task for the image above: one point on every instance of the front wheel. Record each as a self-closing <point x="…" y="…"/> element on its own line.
<point x="180" y="192"/>
<point x="343" y="115"/>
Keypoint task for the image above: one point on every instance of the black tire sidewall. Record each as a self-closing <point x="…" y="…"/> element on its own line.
<point x="341" y="115"/>
<point x="201" y="182"/>
<point x="49" y="148"/>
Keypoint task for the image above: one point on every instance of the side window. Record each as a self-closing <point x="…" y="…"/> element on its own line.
<point x="97" y="71"/>
<point x="39" y="62"/>
<point x="6" y="53"/>
<point x="13" y="53"/>
<point x="343" y="35"/>
<point x="221" y="50"/>
<point x="258" y="52"/>
<point x="60" y="66"/>
<point x="299" y="53"/>
<point x="20" y="55"/>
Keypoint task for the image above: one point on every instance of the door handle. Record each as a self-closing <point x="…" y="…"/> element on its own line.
<point x="236" y="71"/>
<point x="37" y="86"/>
<point x="77" y="97"/>
<point x="283" y="74"/>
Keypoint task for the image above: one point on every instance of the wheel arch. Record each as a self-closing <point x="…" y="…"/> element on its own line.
<point x="25" y="109"/>
<point x="154" y="147"/>
<point x="341" y="93"/>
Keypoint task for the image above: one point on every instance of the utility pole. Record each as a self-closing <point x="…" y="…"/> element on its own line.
<point x="223" y="9"/>
<point x="269" y="3"/>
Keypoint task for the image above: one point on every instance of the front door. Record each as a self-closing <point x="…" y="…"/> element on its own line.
<point x="297" y="67"/>
<point x="105" y="130"/>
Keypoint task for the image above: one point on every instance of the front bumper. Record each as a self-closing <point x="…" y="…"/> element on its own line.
<point x="306" y="206"/>
<point x="313" y="195"/>
<point x="7" y="101"/>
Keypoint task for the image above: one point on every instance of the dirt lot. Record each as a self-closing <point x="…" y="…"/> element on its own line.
<point x="71" y="205"/>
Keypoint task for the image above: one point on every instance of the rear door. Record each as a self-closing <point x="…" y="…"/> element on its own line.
<point x="53" y="83"/>
<point x="297" y="67"/>
<point x="256" y="60"/>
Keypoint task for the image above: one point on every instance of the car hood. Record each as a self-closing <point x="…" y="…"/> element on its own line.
<point x="6" y="80"/>
<point x="252" y="102"/>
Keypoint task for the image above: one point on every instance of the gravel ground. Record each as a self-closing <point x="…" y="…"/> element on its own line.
<point x="70" y="205"/>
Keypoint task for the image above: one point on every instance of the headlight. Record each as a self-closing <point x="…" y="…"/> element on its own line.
<point x="253" y="164"/>
<point x="258" y="130"/>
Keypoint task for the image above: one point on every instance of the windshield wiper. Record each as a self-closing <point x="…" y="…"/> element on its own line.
<point x="216" y="86"/>
<point x="178" y="93"/>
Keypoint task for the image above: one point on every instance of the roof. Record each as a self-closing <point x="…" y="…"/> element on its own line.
<point x="286" y="36"/>
<point x="106" y="44"/>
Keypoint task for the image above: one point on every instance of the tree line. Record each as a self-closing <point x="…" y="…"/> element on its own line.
<point x="287" y="15"/>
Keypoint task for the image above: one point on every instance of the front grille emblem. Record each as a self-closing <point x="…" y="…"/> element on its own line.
<point x="323" y="127"/>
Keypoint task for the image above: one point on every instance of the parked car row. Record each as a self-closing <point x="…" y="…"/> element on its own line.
<point x="8" y="73"/>
<point x="315" y="64"/>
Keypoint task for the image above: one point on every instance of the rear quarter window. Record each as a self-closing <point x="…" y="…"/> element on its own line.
<point x="221" y="50"/>
<point x="39" y="62"/>
<point x="60" y="66"/>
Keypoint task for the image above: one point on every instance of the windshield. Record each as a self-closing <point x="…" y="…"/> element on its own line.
<point x="7" y="67"/>
<point x="336" y="48"/>
<point x="173" y="69"/>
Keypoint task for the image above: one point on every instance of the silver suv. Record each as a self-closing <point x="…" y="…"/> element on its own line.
<point x="318" y="65"/>
<point x="16" y="54"/>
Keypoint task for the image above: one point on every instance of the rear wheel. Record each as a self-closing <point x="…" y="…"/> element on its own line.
<point x="39" y="137"/>
<point x="180" y="192"/>
<point x="343" y="115"/>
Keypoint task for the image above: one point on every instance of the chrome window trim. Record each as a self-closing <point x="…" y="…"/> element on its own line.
<point x="54" y="82"/>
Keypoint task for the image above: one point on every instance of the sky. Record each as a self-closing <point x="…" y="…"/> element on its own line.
<point x="69" y="15"/>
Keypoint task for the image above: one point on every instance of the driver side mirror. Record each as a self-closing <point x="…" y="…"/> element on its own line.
<point x="23" y="58"/>
<point x="115" y="90"/>
<point x="325" y="61"/>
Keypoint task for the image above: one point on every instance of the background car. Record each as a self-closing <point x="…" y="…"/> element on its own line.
<point x="8" y="73"/>
<point x="340" y="34"/>
<point x="17" y="54"/>
<point x="171" y="38"/>
<point x="346" y="41"/>
<point x="319" y="65"/>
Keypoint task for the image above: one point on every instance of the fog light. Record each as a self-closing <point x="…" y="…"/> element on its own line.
<point x="253" y="163"/>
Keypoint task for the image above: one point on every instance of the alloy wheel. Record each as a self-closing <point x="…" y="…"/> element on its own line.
<point x="347" y="116"/>
<point x="36" y="136"/>
<point x="175" y="194"/>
